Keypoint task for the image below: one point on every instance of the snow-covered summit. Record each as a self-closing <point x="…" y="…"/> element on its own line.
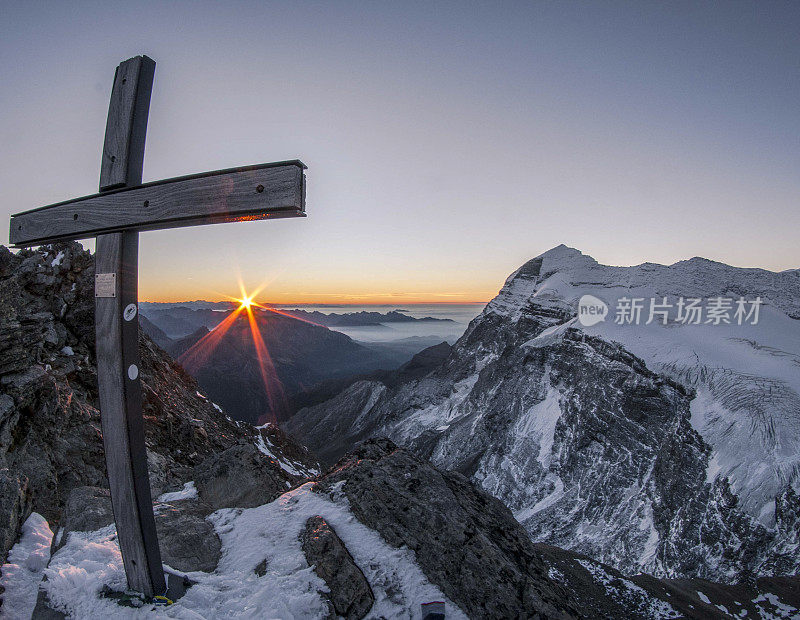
<point x="562" y="274"/>
<point x="746" y="378"/>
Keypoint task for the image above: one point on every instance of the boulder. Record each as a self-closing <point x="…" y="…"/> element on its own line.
<point x="239" y="477"/>
<point x="87" y="509"/>
<point x="349" y="593"/>
<point x="188" y="542"/>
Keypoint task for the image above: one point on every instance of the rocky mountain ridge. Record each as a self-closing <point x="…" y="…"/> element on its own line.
<point x="296" y="355"/>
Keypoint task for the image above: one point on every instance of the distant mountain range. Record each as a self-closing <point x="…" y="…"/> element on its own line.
<point x="179" y="320"/>
<point x="664" y="445"/>
<point x="298" y="356"/>
<point x="360" y="319"/>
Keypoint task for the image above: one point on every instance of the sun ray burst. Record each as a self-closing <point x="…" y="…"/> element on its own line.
<point x="200" y="352"/>
<point x="272" y="385"/>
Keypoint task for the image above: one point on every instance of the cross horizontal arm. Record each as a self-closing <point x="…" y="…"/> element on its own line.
<point x="258" y="192"/>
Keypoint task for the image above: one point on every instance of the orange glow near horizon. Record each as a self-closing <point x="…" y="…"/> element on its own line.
<point x="308" y="291"/>
<point x="280" y="299"/>
<point x="316" y="301"/>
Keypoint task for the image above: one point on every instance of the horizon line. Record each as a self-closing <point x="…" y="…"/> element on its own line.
<point x="324" y="303"/>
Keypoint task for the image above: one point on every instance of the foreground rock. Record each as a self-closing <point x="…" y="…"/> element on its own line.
<point x="15" y="506"/>
<point x="240" y="477"/>
<point x="87" y="509"/>
<point x="465" y="541"/>
<point x="349" y="593"/>
<point x="188" y="541"/>
<point x="371" y="531"/>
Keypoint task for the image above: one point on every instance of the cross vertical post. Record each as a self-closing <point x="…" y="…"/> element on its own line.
<point x="115" y="216"/>
<point x="117" y="335"/>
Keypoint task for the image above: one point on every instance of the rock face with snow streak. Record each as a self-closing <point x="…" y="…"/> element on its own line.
<point x="240" y="477"/>
<point x="465" y="541"/>
<point x="349" y="593"/>
<point x="672" y="449"/>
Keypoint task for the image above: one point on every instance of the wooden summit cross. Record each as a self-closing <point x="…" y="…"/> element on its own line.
<point x="115" y="216"/>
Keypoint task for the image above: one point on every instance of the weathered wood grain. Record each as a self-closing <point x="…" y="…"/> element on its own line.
<point x="118" y="360"/>
<point x="121" y="416"/>
<point x="255" y="192"/>
<point x="123" y="148"/>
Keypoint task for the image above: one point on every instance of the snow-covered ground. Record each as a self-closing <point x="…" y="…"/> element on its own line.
<point x="289" y="589"/>
<point x="22" y="573"/>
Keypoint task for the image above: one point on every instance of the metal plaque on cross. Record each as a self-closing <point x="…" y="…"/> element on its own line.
<point x="115" y="216"/>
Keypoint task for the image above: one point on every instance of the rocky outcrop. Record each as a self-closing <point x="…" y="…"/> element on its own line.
<point x="187" y="541"/>
<point x="239" y="477"/>
<point x="87" y="509"/>
<point x="646" y="596"/>
<point x="465" y="541"/>
<point x="157" y="335"/>
<point x="15" y="506"/>
<point x="422" y="363"/>
<point x="349" y="593"/>
<point x="469" y="545"/>
<point x="43" y="610"/>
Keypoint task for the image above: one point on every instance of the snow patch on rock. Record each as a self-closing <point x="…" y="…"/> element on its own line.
<point x="623" y="589"/>
<point x="267" y="448"/>
<point x="189" y="491"/>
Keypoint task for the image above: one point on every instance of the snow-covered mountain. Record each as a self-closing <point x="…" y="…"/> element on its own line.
<point x="665" y="442"/>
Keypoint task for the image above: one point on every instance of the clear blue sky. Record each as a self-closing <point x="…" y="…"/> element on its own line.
<point x="447" y="143"/>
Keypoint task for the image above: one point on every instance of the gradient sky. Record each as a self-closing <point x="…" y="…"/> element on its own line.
<point x="447" y="143"/>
